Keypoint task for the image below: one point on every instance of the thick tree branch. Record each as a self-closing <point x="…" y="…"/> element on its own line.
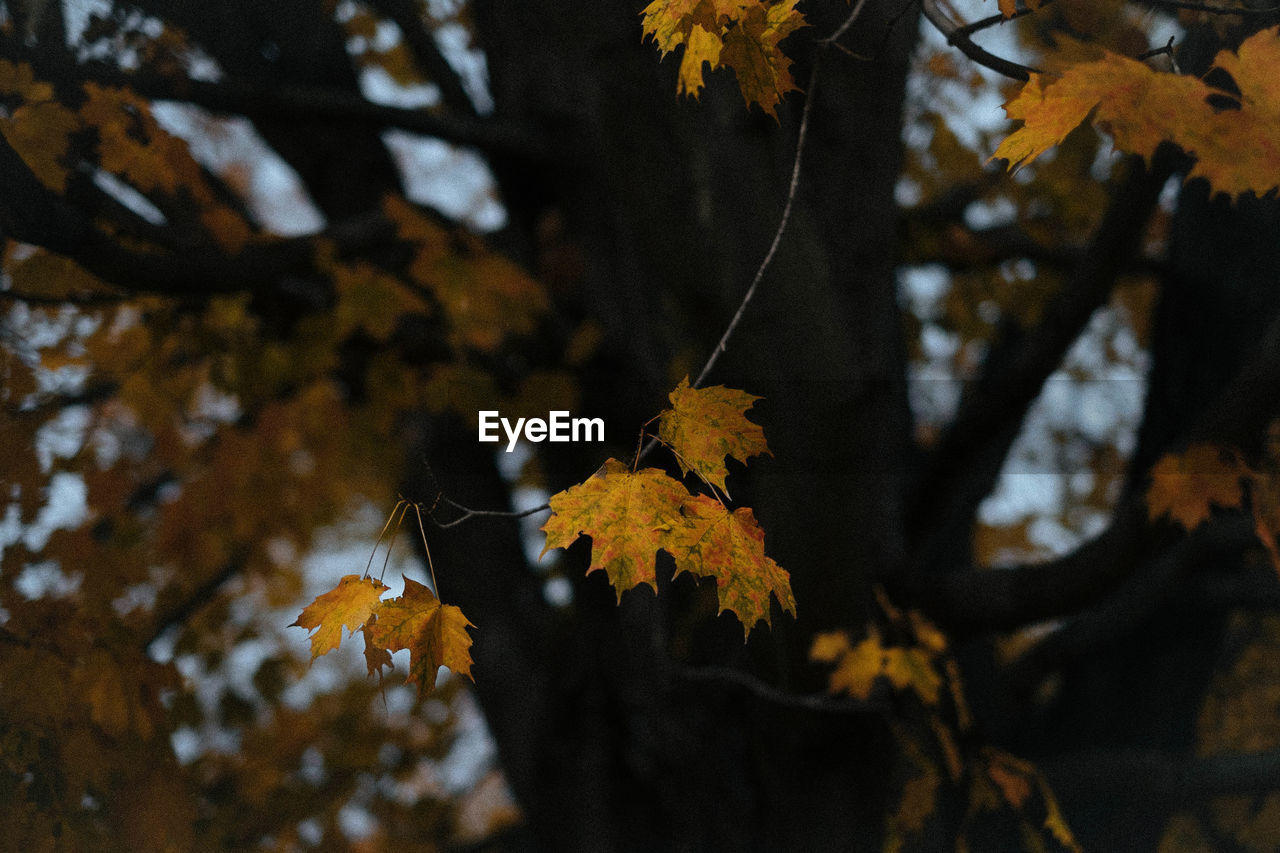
<point x="244" y="97"/>
<point x="1003" y="599"/>
<point x="959" y="473"/>
<point x="175" y="611"/>
<point x="32" y="213"/>
<point x="426" y="53"/>
<point x="1160" y="776"/>
<point x="1138" y="599"/>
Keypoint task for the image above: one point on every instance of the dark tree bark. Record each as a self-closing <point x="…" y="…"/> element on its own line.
<point x="673" y="203"/>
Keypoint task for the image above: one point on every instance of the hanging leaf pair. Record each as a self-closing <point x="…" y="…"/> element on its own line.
<point x="435" y="634"/>
<point x="632" y="515"/>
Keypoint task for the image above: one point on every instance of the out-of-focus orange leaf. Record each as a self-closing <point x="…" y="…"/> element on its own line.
<point x="39" y="126"/>
<point x="856" y="667"/>
<point x="1185" y="486"/>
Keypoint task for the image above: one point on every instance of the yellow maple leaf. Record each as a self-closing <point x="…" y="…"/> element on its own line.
<point x="1235" y="150"/>
<point x="628" y="517"/>
<point x="435" y="635"/>
<point x="738" y="34"/>
<point x="349" y="604"/>
<point x="751" y="50"/>
<point x="1135" y="104"/>
<point x="729" y="546"/>
<point x="704" y="425"/>
<point x="1185" y="485"/>
<point x="701" y="47"/>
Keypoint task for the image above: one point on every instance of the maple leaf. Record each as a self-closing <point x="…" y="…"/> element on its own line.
<point x="738" y="34"/>
<point x="858" y="667"/>
<point x="1235" y="150"/>
<point x="729" y="546"/>
<point x="1184" y="485"/>
<point x="628" y="517"/>
<point x="350" y="603"/>
<point x="751" y="50"/>
<point x="435" y="635"/>
<point x="704" y="425"/>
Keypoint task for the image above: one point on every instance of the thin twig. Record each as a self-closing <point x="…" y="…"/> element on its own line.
<point x="468" y="513"/>
<point x="843" y="28"/>
<point x="782" y="224"/>
<point x="960" y="40"/>
<point x="1157" y="51"/>
<point x="998" y="18"/>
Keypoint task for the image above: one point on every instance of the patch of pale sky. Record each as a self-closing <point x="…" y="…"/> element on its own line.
<point x="275" y="196"/>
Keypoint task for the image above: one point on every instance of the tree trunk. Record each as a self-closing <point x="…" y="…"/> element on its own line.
<point x="673" y="204"/>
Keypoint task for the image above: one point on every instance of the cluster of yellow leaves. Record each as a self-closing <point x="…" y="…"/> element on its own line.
<point x="632" y="515"/>
<point x="38" y="126"/>
<point x="130" y="145"/>
<point x="918" y="664"/>
<point x="738" y="34"/>
<point x="435" y="634"/>
<point x="1235" y="149"/>
<point x="1186" y="486"/>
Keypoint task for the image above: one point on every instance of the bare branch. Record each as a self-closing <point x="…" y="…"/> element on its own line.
<point x="1136" y="601"/>
<point x="468" y="513"/>
<point x="34" y="214"/>
<point x="970" y="601"/>
<point x="959" y="39"/>
<point x="237" y="96"/>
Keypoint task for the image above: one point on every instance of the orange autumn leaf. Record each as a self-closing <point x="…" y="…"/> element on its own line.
<point x="704" y="425"/>
<point x="856" y="667"/>
<point x="1236" y="150"/>
<point x="628" y="516"/>
<point x="738" y="34"/>
<point x="349" y="604"/>
<point x="39" y="128"/>
<point x="435" y="635"/>
<point x="728" y="545"/>
<point x="1185" y="485"/>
